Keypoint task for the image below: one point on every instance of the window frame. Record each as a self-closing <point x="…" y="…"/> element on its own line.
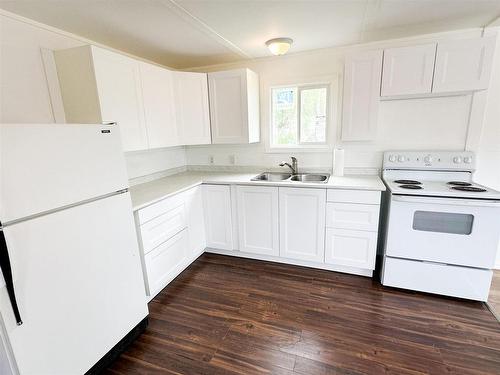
<point x="332" y="106"/>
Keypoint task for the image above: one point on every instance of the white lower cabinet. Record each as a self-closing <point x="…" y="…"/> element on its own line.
<point x="302" y="223"/>
<point x="195" y="220"/>
<point x="352" y="228"/>
<point x="218" y="216"/>
<point x="351" y="248"/>
<point x="258" y="223"/>
<point x="172" y="235"/>
<point x="315" y="227"/>
<point x="165" y="262"/>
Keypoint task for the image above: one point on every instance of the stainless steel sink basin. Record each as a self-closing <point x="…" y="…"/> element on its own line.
<point x="287" y="177"/>
<point x="310" y="177"/>
<point x="269" y="176"/>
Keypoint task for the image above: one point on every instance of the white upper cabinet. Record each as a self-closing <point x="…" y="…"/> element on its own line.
<point x="302" y="223"/>
<point x="101" y="86"/>
<point x="408" y="70"/>
<point x="159" y="105"/>
<point x="192" y="111"/>
<point x="234" y="106"/>
<point x="258" y="221"/>
<point x="361" y="95"/>
<point x="463" y="65"/>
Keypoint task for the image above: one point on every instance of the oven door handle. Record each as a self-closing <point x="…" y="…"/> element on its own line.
<point x="447" y="201"/>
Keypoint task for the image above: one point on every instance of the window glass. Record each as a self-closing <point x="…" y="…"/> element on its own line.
<point x="299" y="115"/>
<point x="285" y="115"/>
<point x="313" y="115"/>
<point x="443" y="222"/>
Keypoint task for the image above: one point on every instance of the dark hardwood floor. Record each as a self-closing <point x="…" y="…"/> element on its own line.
<point x="227" y="315"/>
<point x="494" y="297"/>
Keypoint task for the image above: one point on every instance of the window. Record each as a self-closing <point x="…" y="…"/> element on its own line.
<point x="299" y="115"/>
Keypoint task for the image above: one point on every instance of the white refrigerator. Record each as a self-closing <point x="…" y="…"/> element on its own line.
<point x="71" y="285"/>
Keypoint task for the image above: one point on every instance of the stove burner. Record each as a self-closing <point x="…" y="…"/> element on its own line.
<point x="410" y="187"/>
<point x="459" y="183"/>
<point x="469" y="188"/>
<point x="408" y="182"/>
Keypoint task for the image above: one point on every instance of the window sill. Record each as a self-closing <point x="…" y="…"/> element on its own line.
<point x="300" y="149"/>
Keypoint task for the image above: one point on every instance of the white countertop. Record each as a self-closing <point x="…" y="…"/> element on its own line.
<point x="150" y="192"/>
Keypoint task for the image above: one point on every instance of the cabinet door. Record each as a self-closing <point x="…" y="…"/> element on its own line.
<point x="191" y="107"/>
<point x="218" y="220"/>
<point x="228" y="106"/>
<point x="361" y="96"/>
<point x="120" y="97"/>
<point x="351" y="248"/>
<point x="165" y="262"/>
<point x="463" y="65"/>
<point x="159" y="106"/>
<point x="258" y="219"/>
<point x="196" y="221"/>
<point x="408" y="70"/>
<point x="302" y="223"/>
<point x="352" y="216"/>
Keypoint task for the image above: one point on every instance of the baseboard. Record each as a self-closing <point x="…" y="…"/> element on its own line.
<point x="119" y="348"/>
<point x="303" y="263"/>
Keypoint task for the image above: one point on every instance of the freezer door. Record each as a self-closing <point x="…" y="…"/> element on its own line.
<point x="46" y="166"/>
<point x="79" y="286"/>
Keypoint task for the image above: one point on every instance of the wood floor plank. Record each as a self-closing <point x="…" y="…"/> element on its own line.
<point x="228" y="315"/>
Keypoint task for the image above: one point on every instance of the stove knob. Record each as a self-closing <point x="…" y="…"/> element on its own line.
<point x="401" y="158"/>
<point x="457" y="160"/>
<point x="468" y="159"/>
<point x="428" y="159"/>
<point x="392" y="158"/>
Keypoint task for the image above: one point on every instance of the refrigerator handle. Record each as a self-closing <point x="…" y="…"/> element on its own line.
<point x="7" y="275"/>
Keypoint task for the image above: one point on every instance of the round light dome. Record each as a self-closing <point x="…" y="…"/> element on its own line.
<point x="279" y="46"/>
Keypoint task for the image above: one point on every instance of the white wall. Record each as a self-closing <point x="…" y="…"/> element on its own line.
<point x="143" y="163"/>
<point x="24" y="93"/>
<point x="488" y="167"/>
<point x="433" y="123"/>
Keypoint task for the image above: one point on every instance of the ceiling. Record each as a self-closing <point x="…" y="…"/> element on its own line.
<point x="189" y="33"/>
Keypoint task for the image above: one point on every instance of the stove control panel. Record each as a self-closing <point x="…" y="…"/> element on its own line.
<point x="430" y="160"/>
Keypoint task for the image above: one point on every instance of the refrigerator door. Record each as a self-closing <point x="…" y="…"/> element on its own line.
<point x="46" y="166"/>
<point x="79" y="286"/>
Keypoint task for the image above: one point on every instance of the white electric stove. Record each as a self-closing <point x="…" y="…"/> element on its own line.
<point x="442" y="230"/>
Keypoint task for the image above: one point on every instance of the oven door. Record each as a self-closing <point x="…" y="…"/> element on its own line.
<point x="446" y="230"/>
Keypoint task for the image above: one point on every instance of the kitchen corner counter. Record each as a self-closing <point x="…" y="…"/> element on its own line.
<point x="150" y="192"/>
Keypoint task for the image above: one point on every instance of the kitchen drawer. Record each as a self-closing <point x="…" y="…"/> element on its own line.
<point x="352" y="216"/>
<point x="351" y="248"/>
<point x="165" y="262"/>
<point x="150" y="212"/>
<point x="456" y="281"/>
<point x="353" y="196"/>
<point x="163" y="227"/>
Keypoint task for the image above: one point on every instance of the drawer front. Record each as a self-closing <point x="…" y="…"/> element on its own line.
<point x="162" y="228"/>
<point x="352" y="216"/>
<point x="150" y="212"/>
<point x="165" y="262"/>
<point x="353" y="196"/>
<point x="456" y="281"/>
<point x="351" y="248"/>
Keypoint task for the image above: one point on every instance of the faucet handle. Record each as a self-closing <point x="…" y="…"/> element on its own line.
<point x="294" y="159"/>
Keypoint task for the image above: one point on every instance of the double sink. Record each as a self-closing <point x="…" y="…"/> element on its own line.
<point x="287" y="177"/>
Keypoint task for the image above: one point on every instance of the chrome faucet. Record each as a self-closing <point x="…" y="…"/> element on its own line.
<point x="294" y="166"/>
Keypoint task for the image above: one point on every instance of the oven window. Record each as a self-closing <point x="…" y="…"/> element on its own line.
<point x="443" y="222"/>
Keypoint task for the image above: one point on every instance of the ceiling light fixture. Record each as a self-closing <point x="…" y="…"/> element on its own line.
<point x="279" y="46"/>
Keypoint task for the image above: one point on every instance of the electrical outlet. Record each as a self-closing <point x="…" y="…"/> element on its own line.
<point x="232" y="159"/>
<point x="211" y="159"/>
